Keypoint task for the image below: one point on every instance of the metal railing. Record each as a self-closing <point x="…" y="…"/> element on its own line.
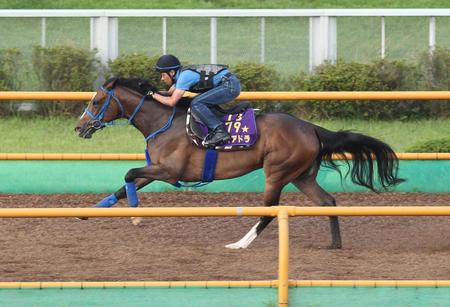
<point x="104" y="26"/>
<point x="137" y="156"/>
<point x="281" y="212"/>
<point x="354" y="95"/>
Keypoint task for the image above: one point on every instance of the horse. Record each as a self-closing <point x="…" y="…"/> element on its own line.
<point x="289" y="150"/>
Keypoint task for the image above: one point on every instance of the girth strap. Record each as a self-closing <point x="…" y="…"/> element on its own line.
<point x="209" y="167"/>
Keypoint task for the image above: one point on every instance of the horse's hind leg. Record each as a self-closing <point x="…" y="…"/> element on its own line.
<point x="271" y="198"/>
<point x="309" y="186"/>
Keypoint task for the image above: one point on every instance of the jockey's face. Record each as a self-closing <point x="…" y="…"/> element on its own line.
<point x="166" y="77"/>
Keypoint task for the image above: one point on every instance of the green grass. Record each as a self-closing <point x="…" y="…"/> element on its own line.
<point x="400" y="135"/>
<point x="215" y="4"/>
<point x="34" y="135"/>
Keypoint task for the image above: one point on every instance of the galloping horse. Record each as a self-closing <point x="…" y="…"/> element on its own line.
<point x="289" y="150"/>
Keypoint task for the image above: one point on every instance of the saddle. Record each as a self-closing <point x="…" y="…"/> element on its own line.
<point x="239" y="121"/>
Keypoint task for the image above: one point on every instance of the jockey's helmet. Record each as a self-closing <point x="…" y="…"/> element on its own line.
<point x="167" y="62"/>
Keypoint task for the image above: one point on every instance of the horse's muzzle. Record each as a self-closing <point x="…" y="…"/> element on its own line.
<point x="83" y="133"/>
<point x="88" y="129"/>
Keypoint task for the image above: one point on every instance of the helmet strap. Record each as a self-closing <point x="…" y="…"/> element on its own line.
<point x="172" y="77"/>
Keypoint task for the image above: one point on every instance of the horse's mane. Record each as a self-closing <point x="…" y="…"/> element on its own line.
<point x="139" y="85"/>
<point x="142" y="86"/>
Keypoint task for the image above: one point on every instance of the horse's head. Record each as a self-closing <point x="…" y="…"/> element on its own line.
<point x="103" y="108"/>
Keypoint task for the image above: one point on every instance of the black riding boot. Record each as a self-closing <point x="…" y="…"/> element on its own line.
<point x="216" y="137"/>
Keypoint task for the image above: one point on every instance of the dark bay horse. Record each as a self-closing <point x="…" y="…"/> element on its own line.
<point x="288" y="149"/>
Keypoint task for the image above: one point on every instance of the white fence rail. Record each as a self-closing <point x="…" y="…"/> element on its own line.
<point x="104" y="26"/>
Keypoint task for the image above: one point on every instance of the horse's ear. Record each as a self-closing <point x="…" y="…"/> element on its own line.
<point x="145" y="86"/>
<point x="111" y="83"/>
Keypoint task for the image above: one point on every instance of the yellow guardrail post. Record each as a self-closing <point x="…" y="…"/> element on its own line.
<point x="283" y="257"/>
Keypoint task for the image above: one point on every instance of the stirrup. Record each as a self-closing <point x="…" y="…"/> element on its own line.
<point x="207" y="140"/>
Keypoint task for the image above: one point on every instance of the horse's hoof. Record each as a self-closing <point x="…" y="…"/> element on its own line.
<point x="334" y="246"/>
<point x="232" y="246"/>
<point x="136" y="220"/>
<point x="83" y="218"/>
<point x="235" y="246"/>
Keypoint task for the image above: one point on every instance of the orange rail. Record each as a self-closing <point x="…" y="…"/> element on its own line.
<point x="137" y="156"/>
<point x="397" y="95"/>
<point x="222" y="283"/>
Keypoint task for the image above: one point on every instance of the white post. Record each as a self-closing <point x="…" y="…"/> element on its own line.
<point x="213" y="40"/>
<point x="263" y="40"/>
<point x="383" y="38"/>
<point x="164" y="35"/>
<point x="113" y="44"/>
<point x="43" y="31"/>
<point x="432" y="34"/>
<point x="322" y="40"/>
<point x="332" y="39"/>
<point x="92" y="36"/>
<point x="104" y="37"/>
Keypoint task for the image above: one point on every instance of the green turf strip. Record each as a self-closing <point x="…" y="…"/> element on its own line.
<point x="164" y="297"/>
<point x="140" y="297"/>
<point x="49" y="177"/>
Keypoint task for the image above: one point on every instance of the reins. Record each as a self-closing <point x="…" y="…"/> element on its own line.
<point x="97" y="122"/>
<point x="164" y="128"/>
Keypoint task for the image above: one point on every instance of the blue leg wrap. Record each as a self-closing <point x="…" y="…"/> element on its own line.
<point x="132" y="197"/>
<point x="107" y="202"/>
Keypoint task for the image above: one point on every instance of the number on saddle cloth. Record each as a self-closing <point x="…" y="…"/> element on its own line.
<point x="241" y="126"/>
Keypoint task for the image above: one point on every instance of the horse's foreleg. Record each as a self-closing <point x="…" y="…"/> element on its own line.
<point x="271" y="198"/>
<point x="137" y="178"/>
<point x="311" y="188"/>
<point x="139" y="184"/>
<point x="112" y="199"/>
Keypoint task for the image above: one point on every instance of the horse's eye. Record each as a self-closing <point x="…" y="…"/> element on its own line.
<point x="95" y="103"/>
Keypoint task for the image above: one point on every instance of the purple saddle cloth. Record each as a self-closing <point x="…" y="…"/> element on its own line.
<point x="240" y="126"/>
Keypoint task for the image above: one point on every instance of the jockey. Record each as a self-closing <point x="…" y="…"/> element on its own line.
<point x="215" y="84"/>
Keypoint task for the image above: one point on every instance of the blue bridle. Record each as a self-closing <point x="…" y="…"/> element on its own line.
<point x="97" y="119"/>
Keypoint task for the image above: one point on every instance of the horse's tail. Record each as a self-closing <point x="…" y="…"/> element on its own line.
<point x="364" y="150"/>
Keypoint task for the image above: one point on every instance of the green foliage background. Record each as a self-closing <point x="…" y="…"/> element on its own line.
<point x="64" y="68"/>
<point x="436" y="145"/>
<point x="136" y="65"/>
<point x="209" y="4"/>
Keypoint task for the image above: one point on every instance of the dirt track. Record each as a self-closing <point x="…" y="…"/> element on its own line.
<point x="112" y="249"/>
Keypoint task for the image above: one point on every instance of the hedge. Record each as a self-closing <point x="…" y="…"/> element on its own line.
<point x="136" y="65"/>
<point x="10" y="63"/>
<point x="72" y="69"/>
<point x="438" y="145"/>
<point x="65" y="68"/>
